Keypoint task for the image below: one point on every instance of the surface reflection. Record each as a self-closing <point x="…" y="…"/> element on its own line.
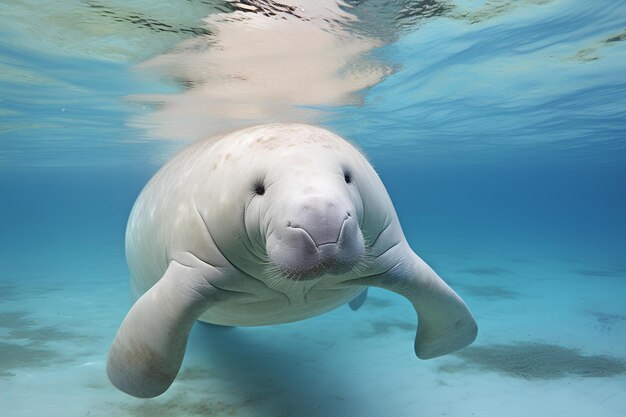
<point x="264" y="62"/>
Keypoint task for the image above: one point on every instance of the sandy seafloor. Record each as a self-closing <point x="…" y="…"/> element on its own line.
<point x="343" y="363"/>
<point x="552" y="339"/>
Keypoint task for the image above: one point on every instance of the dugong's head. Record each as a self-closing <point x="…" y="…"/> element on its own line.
<point x="294" y="195"/>
<point x="312" y="223"/>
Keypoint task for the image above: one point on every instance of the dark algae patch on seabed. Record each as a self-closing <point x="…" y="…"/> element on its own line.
<point x="494" y="292"/>
<point x="383" y="327"/>
<point x="607" y="321"/>
<point x="29" y="354"/>
<point x="24" y="343"/>
<point x="184" y="405"/>
<point x="535" y="361"/>
<point x="490" y="271"/>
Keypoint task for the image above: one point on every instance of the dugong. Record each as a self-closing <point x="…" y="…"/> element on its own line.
<point x="269" y="224"/>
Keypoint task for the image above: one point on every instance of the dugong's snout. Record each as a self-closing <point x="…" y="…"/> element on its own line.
<point x="320" y="236"/>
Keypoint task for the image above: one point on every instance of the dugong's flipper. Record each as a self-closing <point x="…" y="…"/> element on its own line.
<point x="445" y="324"/>
<point x="149" y="346"/>
<point x="358" y="301"/>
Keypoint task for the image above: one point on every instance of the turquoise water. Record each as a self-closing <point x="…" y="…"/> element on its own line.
<point x="498" y="127"/>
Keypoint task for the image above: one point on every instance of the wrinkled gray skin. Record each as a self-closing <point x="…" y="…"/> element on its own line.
<point x="269" y="224"/>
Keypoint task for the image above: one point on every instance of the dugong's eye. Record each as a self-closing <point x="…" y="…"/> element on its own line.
<point x="347" y="176"/>
<point x="259" y="188"/>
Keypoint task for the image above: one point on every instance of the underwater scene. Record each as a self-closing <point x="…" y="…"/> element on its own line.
<point x="498" y="128"/>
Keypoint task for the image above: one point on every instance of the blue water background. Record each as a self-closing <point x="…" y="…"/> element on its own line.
<point x="502" y="144"/>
